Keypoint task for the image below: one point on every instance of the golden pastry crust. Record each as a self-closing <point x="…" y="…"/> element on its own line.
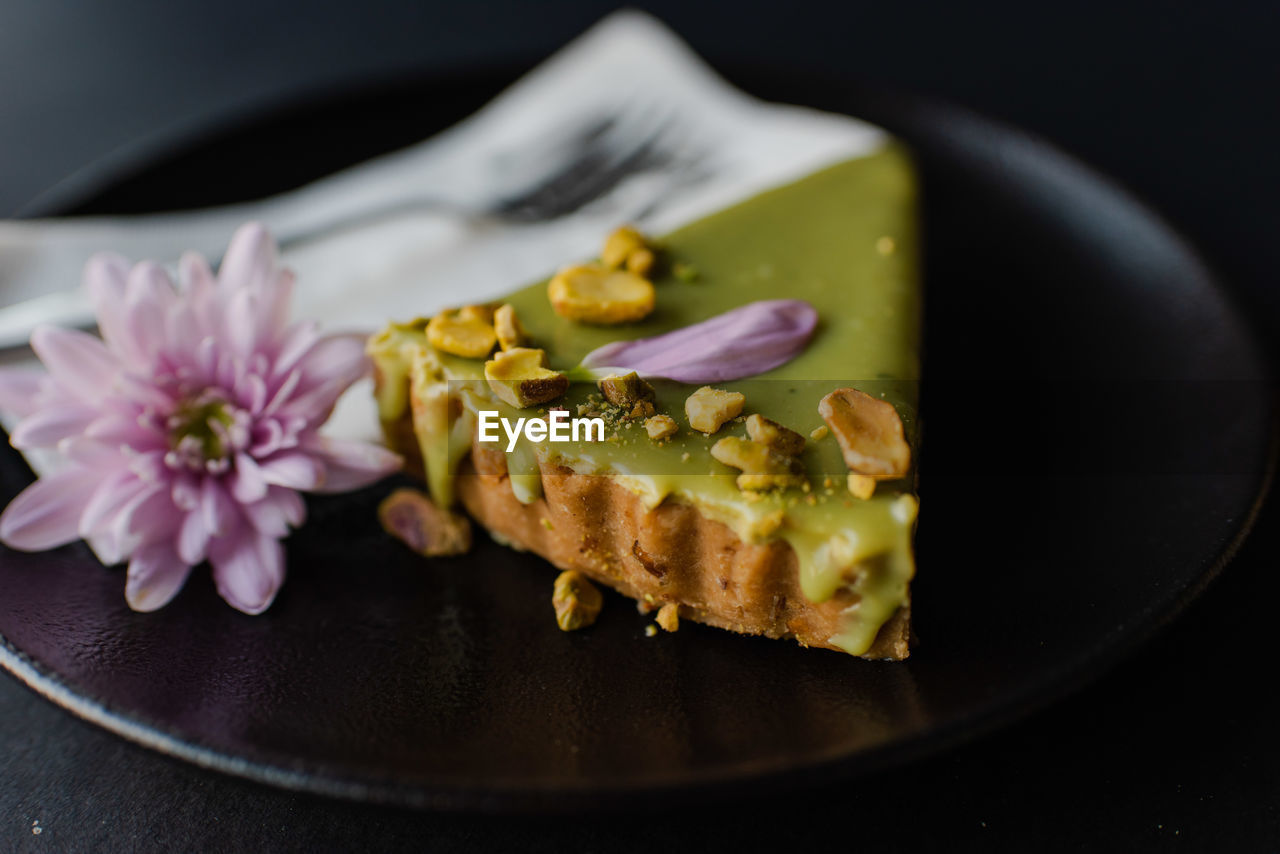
<point x="670" y="554"/>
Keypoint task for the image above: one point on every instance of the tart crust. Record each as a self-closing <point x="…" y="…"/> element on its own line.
<point x="671" y="553"/>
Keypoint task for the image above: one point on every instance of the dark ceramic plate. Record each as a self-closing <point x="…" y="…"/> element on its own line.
<point x="1097" y="442"/>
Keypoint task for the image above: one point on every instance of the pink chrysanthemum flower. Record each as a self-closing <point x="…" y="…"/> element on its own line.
<point x="190" y="428"/>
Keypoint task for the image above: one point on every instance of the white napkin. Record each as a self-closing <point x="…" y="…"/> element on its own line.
<point x="629" y="65"/>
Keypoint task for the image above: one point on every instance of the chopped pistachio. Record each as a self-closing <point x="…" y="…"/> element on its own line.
<point x="773" y="435"/>
<point x="685" y="272"/>
<point x="817" y="434"/>
<point x="591" y="293"/>
<point x="465" y="332"/>
<point x="641" y="261"/>
<point x="620" y="245"/>
<point x="482" y="313"/>
<point x="415" y="520"/>
<point x="642" y="409"/>
<point x="869" y="432"/>
<point x="510" y="331"/>
<point x="861" y="485"/>
<point x="709" y="408"/>
<point x="668" y="618"/>
<point x="626" y="390"/>
<point x="660" y="427"/>
<point x="520" y="377"/>
<point x="762" y="468"/>
<point x="576" y="600"/>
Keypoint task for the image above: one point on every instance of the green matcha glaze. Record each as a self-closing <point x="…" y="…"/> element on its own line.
<point x="821" y="239"/>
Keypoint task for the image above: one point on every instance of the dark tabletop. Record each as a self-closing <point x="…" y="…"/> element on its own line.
<point x="1177" y="747"/>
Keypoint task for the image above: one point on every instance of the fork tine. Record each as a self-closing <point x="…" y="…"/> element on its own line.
<point x="603" y="163"/>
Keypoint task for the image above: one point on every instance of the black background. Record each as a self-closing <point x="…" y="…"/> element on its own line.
<point x="1177" y="748"/>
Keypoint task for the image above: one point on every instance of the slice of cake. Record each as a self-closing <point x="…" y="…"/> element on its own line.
<point x="778" y="502"/>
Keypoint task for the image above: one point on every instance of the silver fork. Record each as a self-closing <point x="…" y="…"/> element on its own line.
<point x="572" y="170"/>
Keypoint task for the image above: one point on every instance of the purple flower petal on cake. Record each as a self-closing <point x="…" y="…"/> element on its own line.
<point x="189" y="429"/>
<point x="743" y="342"/>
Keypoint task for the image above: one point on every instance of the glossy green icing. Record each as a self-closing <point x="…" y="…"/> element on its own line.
<point x="843" y="239"/>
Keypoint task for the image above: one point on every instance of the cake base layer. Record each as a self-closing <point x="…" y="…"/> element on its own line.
<point x="671" y="553"/>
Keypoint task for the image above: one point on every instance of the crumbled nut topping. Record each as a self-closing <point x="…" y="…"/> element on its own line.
<point x="510" y="331"/>
<point x="591" y="293"/>
<point x="660" y="427"/>
<point x="861" y="485"/>
<point x="482" y="313"/>
<point x="869" y="432"/>
<point x="774" y="435"/>
<point x="466" y="332"/>
<point x="414" y="519"/>
<point x="708" y="408"/>
<point x="762" y="468"/>
<point x="621" y="244"/>
<point x="641" y="261"/>
<point x="685" y="272"/>
<point x="668" y="618"/>
<point x="626" y="390"/>
<point x="576" y="600"/>
<point x="520" y="377"/>
<point x="817" y="434"/>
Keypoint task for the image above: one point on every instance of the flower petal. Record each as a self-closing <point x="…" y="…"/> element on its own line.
<point x="105" y="275"/>
<point x="110" y="497"/>
<point x="246" y="481"/>
<point x="293" y="470"/>
<point x="149" y="518"/>
<point x="47" y="513"/>
<point x="296" y="342"/>
<point x="351" y="465"/>
<point x="193" y="538"/>
<point x="276" y="513"/>
<point x="248" y="569"/>
<point x="743" y="342"/>
<point x="333" y="359"/>
<point x="250" y="259"/>
<point x="240" y="325"/>
<point x="124" y="431"/>
<point x="51" y="425"/>
<point x="20" y="389"/>
<point x="155" y="575"/>
<point x="275" y="309"/>
<point x="201" y="292"/>
<point x="216" y="506"/>
<point x="78" y="362"/>
<point x="149" y="297"/>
